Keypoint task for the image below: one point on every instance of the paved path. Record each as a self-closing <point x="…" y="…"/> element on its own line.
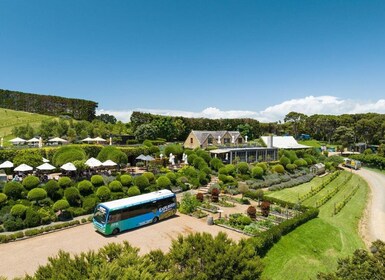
<point x="374" y="220"/>
<point x="25" y="256"/>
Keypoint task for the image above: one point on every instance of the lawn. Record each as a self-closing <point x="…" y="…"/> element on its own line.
<point x="317" y="245"/>
<point x="316" y="144"/>
<point x="11" y="118"/>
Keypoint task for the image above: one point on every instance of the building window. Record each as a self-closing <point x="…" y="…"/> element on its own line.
<point x="191" y="140"/>
<point x="210" y="141"/>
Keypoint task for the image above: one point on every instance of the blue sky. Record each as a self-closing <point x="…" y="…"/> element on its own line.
<point x="199" y="58"/>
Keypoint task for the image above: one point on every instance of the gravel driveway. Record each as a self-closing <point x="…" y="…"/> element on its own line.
<point x="25" y="256"/>
<point x="374" y="219"/>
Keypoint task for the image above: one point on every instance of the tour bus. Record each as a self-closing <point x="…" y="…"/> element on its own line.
<point x="119" y="215"/>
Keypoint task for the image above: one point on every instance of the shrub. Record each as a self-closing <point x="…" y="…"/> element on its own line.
<point x="30" y="182"/>
<point x="65" y="182"/>
<point x="263" y="165"/>
<point x="89" y="204"/>
<point x="52" y="188"/>
<point x="284" y="161"/>
<point x="61" y="204"/>
<point x="171" y="176"/>
<point x="72" y="195"/>
<point x="68" y="153"/>
<point x="257" y="172"/>
<point x="45" y="216"/>
<point x="18" y="210"/>
<point x="242" y="168"/>
<point x="279" y="168"/>
<point x="85" y="187"/>
<point x="200" y="197"/>
<point x="112" y="153"/>
<point x="291" y="166"/>
<point x="13" y="190"/>
<point x="230" y="169"/>
<point x="116" y="186"/>
<point x="265" y="207"/>
<point x="244" y="220"/>
<point x="216" y="163"/>
<point x="300" y="162"/>
<point x="142" y="182"/>
<point x="14" y="224"/>
<point x="126" y="180"/>
<point x="32" y="218"/>
<point x="37" y="194"/>
<point x="163" y="182"/>
<point x="150" y="176"/>
<point x="97" y="180"/>
<point x="133" y="191"/>
<point x="3" y="198"/>
<point x="175" y="149"/>
<point x="214" y="194"/>
<point x="188" y="204"/>
<point x="252" y="212"/>
<point x="103" y="193"/>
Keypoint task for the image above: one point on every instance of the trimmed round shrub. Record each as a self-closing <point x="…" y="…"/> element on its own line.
<point x="68" y="153"/>
<point x="18" y="210"/>
<point x="65" y="182"/>
<point x="216" y="163"/>
<point x="97" y="180"/>
<point x="126" y="180"/>
<point x="291" y="166"/>
<point x="103" y="193"/>
<point x="133" y="191"/>
<point x="61" y="204"/>
<point x="199" y="197"/>
<point x="13" y="190"/>
<point x="300" y="162"/>
<point x="32" y="218"/>
<point x="14" y="224"/>
<point x="3" y="198"/>
<point x="204" y="179"/>
<point x="116" y="186"/>
<point x="150" y="176"/>
<point x="30" y="182"/>
<point x="37" y="194"/>
<point x="263" y="165"/>
<point x="163" y="182"/>
<point x="257" y="172"/>
<point x="175" y="149"/>
<point x="242" y="168"/>
<point x="112" y="153"/>
<point x="142" y="182"/>
<point x="52" y="188"/>
<point x="171" y="176"/>
<point x="284" y="161"/>
<point x="45" y="216"/>
<point x="72" y="195"/>
<point x="265" y="207"/>
<point x="279" y="168"/>
<point x="214" y="195"/>
<point x="230" y="169"/>
<point x="89" y="204"/>
<point x="85" y="187"/>
<point x="252" y="212"/>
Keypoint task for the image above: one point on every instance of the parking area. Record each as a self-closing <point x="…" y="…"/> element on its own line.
<point x="25" y="256"/>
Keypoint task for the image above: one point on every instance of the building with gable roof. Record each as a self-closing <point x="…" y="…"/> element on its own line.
<point x="204" y="138"/>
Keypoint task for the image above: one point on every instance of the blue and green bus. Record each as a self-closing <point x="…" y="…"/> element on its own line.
<point x="119" y="215"/>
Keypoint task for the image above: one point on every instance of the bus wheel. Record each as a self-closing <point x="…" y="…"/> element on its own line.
<point x="155" y="220"/>
<point x="115" y="231"/>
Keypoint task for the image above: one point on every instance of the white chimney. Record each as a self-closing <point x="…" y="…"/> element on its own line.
<point x="270" y="141"/>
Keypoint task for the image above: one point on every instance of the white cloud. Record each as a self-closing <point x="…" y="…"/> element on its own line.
<point x="310" y="105"/>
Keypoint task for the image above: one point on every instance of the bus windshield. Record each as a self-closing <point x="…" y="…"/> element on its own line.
<point x="100" y="215"/>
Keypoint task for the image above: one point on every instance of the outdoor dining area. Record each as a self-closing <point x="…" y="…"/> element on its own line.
<point x="39" y="142"/>
<point x="47" y="171"/>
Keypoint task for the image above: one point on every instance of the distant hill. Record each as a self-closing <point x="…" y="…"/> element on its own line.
<point x="11" y="118"/>
<point x="51" y="105"/>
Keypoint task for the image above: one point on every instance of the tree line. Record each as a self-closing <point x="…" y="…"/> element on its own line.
<point x="79" y="109"/>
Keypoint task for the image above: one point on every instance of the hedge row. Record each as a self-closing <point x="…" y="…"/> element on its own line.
<point x="317" y="189"/>
<point x="338" y="207"/>
<point x="329" y="195"/>
<point x="31" y="232"/>
<point x="373" y="160"/>
<point x="293" y="182"/>
<point x="265" y="240"/>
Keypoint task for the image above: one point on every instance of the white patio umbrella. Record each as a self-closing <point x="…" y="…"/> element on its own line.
<point x="141" y="157"/>
<point x="45" y="160"/>
<point x="93" y="162"/>
<point x="88" y="139"/>
<point x="33" y="140"/>
<point x="99" y="139"/>
<point x="17" y="141"/>
<point x="149" y="158"/>
<point x="45" y="167"/>
<point x="23" y="168"/>
<point x="109" y="163"/>
<point x="57" y="139"/>
<point x="6" y="164"/>
<point x="69" y="166"/>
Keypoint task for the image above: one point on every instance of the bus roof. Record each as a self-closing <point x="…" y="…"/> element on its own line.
<point x="120" y="203"/>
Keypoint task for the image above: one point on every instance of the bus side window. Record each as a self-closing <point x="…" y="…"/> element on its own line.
<point x="114" y="216"/>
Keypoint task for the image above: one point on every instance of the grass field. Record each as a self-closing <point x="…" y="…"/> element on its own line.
<point x="317" y="245"/>
<point x="316" y="143"/>
<point x="10" y="119"/>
